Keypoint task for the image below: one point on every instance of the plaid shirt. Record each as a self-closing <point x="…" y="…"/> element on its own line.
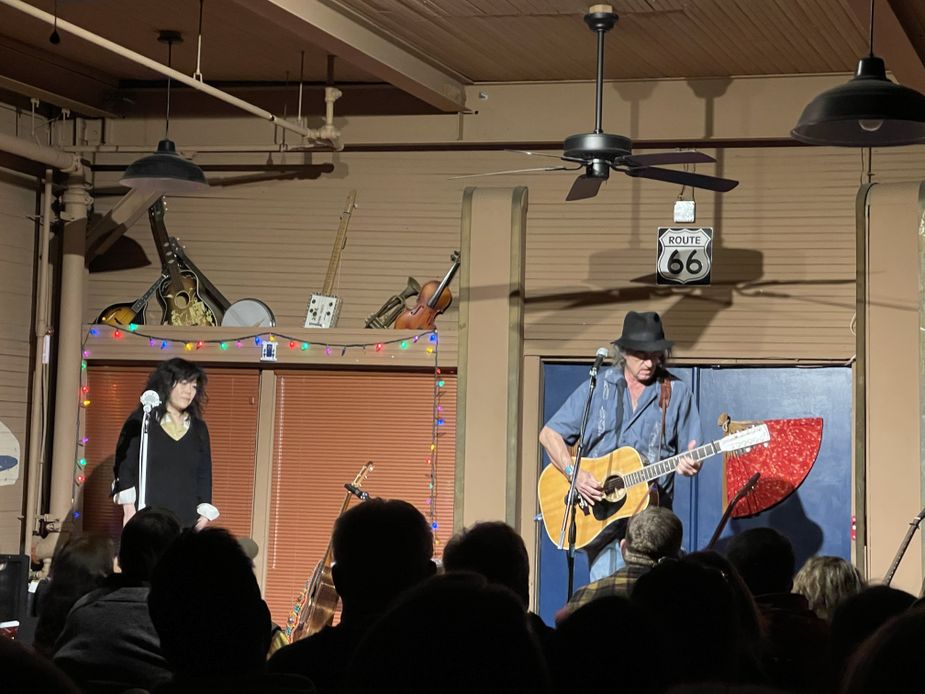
<point x="619" y="583"/>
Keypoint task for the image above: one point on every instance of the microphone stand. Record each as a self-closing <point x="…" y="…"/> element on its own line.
<point x="143" y="456"/>
<point x="573" y="499"/>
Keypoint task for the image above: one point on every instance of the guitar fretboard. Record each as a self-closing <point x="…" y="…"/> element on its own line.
<point x="663" y="467"/>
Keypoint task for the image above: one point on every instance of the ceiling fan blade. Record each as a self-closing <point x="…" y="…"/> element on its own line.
<point x="518" y="171"/>
<point x="584" y="187"/>
<point x="531" y="153"/>
<point x="658" y="158"/>
<point x="684" y="178"/>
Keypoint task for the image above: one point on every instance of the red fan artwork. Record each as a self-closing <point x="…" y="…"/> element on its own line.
<point x="783" y="464"/>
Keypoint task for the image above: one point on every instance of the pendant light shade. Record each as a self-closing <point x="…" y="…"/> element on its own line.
<point x="165" y="171"/>
<point x="868" y="111"/>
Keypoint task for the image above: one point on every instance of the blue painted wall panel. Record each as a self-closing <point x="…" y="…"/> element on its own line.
<point x="816" y="518"/>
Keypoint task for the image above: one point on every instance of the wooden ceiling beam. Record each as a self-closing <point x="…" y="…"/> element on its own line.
<point x="348" y="38"/>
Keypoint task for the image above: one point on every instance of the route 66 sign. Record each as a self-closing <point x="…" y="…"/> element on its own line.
<point x="685" y="255"/>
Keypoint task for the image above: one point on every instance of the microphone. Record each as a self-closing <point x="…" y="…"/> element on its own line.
<point x="601" y="355"/>
<point x="149" y="400"/>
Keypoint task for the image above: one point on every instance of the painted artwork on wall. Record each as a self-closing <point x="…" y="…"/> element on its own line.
<point x="9" y="456"/>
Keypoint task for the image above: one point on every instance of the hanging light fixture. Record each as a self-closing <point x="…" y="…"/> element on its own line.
<point x="165" y="170"/>
<point x="869" y="111"/>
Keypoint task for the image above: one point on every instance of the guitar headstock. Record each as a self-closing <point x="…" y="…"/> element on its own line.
<point x="351" y="204"/>
<point x="753" y="436"/>
<point x="454" y="257"/>
<point x="158" y="209"/>
<point x="367" y="468"/>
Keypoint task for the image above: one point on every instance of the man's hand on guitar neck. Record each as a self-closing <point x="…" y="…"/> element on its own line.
<point x="687" y="466"/>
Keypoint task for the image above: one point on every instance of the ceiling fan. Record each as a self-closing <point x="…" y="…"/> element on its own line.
<point x="598" y="152"/>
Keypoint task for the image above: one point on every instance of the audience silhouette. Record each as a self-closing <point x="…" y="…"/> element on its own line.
<point x="78" y="567"/>
<point x="456" y="633"/>
<point x="796" y="640"/>
<point x="108" y="638"/>
<point x="214" y="627"/>
<point x="381" y="548"/>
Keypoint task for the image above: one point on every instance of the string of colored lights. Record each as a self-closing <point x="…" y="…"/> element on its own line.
<point x="258" y="338"/>
<point x="438" y="421"/>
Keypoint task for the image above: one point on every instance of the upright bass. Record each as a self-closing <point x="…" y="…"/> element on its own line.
<point x="315" y="606"/>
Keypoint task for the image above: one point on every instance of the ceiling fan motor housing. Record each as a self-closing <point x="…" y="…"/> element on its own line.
<point x="603" y="146"/>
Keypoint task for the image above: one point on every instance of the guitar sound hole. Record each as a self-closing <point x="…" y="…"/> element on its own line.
<point x="614" y="498"/>
<point x="614" y="489"/>
<point x="181" y="300"/>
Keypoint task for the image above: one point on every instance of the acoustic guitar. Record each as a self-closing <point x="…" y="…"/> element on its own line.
<point x="179" y="294"/>
<point x="626" y="484"/>
<point x="243" y="313"/>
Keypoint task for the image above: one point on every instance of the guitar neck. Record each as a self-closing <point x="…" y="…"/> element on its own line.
<point x="339" y="243"/>
<point x="143" y="299"/>
<point x="162" y="242"/>
<point x="663" y="467"/>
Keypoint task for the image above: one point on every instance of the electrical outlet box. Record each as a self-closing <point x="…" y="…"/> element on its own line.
<point x="684" y="211"/>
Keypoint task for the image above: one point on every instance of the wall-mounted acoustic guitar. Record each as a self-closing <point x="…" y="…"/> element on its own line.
<point x="324" y="308"/>
<point x="433" y="299"/>
<point x="124" y="314"/>
<point x="179" y="294"/>
<point x="244" y="313"/>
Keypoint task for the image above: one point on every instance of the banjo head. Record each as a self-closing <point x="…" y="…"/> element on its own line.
<point x="248" y="313"/>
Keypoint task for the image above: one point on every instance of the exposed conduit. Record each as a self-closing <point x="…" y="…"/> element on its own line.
<point x="327" y="132"/>
<point x="65" y="162"/>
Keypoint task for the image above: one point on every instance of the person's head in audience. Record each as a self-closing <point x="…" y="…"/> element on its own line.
<point x="25" y="672"/>
<point x="144" y="539"/>
<point x="594" y="633"/>
<point x="825" y="582"/>
<point x="764" y="558"/>
<point x="859" y="616"/>
<point x="890" y="661"/>
<point x="494" y="550"/>
<point x="747" y="614"/>
<point x="454" y="633"/>
<point x="380" y="547"/>
<point x="694" y="609"/>
<point x="206" y="607"/>
<point x="79" y="566"/>
<point x="652" y="534"/>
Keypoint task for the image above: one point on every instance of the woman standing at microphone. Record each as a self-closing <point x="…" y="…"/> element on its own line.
<point x="179" y="462"/>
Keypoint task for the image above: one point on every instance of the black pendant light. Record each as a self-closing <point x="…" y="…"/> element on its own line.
<point x="869" y="111"/>
<point x="165" y="171"/>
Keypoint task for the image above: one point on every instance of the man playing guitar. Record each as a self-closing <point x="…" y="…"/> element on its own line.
<point x="638" y="404"/>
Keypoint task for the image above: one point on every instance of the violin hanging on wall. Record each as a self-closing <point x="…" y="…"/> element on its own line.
<point x="433" y="299"/>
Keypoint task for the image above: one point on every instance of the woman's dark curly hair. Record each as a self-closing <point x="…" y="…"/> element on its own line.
<point x="171" y="372"/>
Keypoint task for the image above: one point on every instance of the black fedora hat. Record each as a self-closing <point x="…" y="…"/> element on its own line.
<point x="643" y="332"/>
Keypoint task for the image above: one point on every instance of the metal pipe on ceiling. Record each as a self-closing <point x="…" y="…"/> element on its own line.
<point x="327" y="132"/>
<point x="66" y="162"/>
